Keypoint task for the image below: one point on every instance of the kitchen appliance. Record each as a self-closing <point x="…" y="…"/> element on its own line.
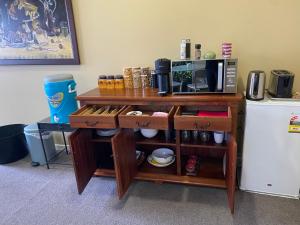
<point x="281" y="84"/>
<point x="162" y="69"/>
<point x="256" y="85"/>
<point x="204" y="76"/>
<point x="271" y="155"/>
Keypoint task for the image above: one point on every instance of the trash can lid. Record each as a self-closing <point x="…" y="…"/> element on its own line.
<point x="32" y="128"/>
<point x="58" y="77"/>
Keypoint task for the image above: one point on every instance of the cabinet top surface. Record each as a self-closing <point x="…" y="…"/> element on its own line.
<point x="150" y="95"/>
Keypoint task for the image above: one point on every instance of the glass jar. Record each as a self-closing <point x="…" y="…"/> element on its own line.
<point x="119" y="82"/>
<point x="145" y="81"/>
<point x="128" y="82"/>
<point x="110" y="82"/>
<point x="102" y="82"/>
<point x="137" y="82"/>
<point x="127" y="71"/>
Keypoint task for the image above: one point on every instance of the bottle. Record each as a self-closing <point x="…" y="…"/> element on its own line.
<point x="110" y="82"/>
<point x="119" y="82"/>
<point x="102" y="82"/>
<point x="185" y="49"/>
<point x="197" y="51"/>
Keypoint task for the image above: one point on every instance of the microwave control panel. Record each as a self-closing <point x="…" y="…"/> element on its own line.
<point x="230" y="84"/>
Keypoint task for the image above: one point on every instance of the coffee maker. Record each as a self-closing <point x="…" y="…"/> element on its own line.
<point x="162" y="70"/>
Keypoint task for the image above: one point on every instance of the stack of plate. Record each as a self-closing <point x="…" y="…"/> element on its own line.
<point x="161" y="157"/>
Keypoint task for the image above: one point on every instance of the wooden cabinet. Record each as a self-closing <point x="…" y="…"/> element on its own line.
<point x="116" y="156"/>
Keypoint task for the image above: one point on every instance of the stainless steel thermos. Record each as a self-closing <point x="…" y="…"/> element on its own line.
<point x="256" y="85"/>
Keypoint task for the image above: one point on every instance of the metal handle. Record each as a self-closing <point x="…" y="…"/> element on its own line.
<point x="143" y="125"/>
<point x="202" y="127"/>
<point x="91" y="124"/>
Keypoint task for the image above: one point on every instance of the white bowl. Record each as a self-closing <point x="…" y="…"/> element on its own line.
<point x="149" y="133"/>
<point x="107" y="132"/>
<point x="163" y="155"/>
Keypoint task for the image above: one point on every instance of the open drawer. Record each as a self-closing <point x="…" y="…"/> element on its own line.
<point x="147" y="120"/>
<point x="209" y="118"/>
<point x="96" y="116"/>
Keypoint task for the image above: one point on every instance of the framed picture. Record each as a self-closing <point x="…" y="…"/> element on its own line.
<point x="37" y="32"/>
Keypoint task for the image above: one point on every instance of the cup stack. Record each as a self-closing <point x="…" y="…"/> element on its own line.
<point x="226" y="50"/>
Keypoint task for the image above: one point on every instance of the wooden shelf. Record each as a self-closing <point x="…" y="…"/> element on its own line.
<point x="198" y="181"/>
<point x="209" y="168"/>
<point x="208" y="145"/>
<point x="104" y="173"/>
<point x="101" y="139"/>
<point x="146" y="167"/>
<point x="159" y="139"/>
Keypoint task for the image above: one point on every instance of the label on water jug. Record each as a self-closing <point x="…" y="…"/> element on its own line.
<point x="56" y="100"/>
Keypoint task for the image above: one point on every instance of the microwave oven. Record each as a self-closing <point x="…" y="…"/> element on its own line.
<point x="204" y="76"/>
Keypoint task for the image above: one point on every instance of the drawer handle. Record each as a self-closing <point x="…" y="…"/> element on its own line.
<point x="202" y="127"/>
<point x="91" y="124"/>
<point x="143" y="125"/>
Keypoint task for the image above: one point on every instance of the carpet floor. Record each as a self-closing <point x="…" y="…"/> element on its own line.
<point x="37" y="196"/>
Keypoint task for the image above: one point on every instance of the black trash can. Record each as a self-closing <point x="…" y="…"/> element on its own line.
<point x="13" y="144"/>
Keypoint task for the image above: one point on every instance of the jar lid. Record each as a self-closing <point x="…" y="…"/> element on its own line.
<point x="118" y="77"/>
<point x="197" y="46"/>
<point x="110" y="77"/>
<point x="102" y="77"/>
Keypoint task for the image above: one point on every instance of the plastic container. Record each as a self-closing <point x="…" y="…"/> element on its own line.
<point x="13" y="143"/>
<point x="61" y="93"/>
<point x="35" y="145"/>
<point x="102" y="82"/>
<point x="110" y="82"/>
<point x="119" y="82"/>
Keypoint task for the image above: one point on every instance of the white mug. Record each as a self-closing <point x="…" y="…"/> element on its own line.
<point x="219" y="137"/>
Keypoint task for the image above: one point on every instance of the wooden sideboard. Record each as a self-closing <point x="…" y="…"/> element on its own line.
<point x="116" y="156"/>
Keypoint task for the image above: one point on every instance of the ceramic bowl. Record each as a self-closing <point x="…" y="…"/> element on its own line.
<point x="163" y="155"/>
<point x="107" y="132"/>
<point x="149" y="133"/>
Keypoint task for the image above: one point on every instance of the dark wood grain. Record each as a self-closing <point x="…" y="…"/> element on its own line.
<point x="231" y="172"/>
<point x="149" y="97"/>
<point x="83" y="156"/>
<point x="123" y="146"/>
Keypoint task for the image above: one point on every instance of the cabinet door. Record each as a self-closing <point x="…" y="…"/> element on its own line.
<point x="84" y="160"/>
<point x="123" y="146"/>
<point x="231" y="171"/>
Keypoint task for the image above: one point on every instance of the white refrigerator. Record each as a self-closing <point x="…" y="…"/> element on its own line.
<point x="271" y="155"/>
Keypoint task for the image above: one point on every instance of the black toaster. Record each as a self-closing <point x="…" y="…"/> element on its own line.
<point x="281" y="84"/>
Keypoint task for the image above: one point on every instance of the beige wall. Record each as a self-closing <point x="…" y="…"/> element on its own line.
<point x="113" y="34"/>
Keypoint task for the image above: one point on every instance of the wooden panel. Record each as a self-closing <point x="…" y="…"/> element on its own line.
<point x="123" y="146"/>
<point x="147" y="120"/>
<point x="199" y="181"/>
<point x="190" y="122"/>
<point x="104" y="173"/>
<point x="159" y="140"/>
<point x="81" y="120"/>
<point x="149" y="97"/>
<point x="83" y="157"/>
<point x="231" y="172"/>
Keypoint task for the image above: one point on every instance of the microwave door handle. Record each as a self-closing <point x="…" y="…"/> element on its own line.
<point x="220" y="77"/>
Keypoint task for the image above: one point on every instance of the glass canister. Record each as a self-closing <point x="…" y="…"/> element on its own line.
<point x="145" y="81"/>
<point x="128" y="82"/>
<point x="119" y="82"/>
<point x="127" y="71"/>
<point x="102" y="82"/>
<point x="110" y="82"/>
<point x="137" y="81"/>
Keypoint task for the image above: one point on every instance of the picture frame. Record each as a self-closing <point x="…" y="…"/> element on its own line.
<point x="37" y="32"/>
